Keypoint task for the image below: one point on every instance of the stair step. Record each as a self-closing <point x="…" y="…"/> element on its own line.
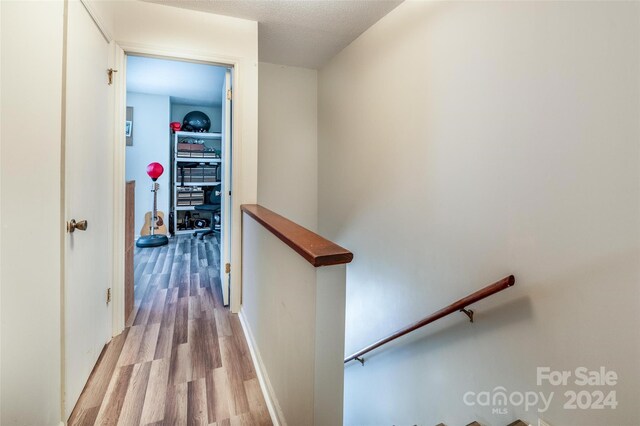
<point x="516" y="423"/>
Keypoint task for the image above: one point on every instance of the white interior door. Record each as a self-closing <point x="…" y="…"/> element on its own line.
<point x="225" y="231"/>
<point x="88" y="196"/>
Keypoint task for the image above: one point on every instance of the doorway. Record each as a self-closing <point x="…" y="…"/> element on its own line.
<point x="182" y="357"/>
<point x="178" y="122"/>
<point x="102" y="206"/>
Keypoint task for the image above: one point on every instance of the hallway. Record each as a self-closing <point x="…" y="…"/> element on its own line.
<point x="183" y="359"/>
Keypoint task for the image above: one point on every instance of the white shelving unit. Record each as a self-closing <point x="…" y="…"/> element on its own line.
<point x="176" y="160"/>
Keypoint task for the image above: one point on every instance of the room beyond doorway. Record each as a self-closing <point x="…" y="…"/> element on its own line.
<point x="179" y="120"/>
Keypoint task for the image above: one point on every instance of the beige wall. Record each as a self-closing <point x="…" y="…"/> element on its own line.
<point x="302" y="375"/>
<point x="460" y="142"/>
<point x="288" y="135"/>
<point x="30" y="152"/>
<point x="293" y="314"/>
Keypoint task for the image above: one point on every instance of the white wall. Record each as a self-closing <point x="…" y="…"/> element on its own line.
<point x="287" y="131"/>
<point x="151" y="142"/>
<point x="294" y="317"/>
<point x="460" y="142"/>
<point x="178" y="111"/>
<point x="30" y="153"/>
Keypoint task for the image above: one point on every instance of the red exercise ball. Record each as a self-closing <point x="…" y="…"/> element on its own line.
<point x="155" y="170"/>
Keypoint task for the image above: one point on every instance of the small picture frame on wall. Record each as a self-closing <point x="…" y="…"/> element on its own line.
<point x="129" y="126"/>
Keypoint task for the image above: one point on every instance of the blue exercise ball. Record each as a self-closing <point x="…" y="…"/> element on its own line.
<point x="196" y="121"/>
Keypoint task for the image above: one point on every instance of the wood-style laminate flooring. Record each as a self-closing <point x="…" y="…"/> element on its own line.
<point x="183" y="359"/>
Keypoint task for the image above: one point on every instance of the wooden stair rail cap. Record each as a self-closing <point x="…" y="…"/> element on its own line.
<point x="317" y="250"/>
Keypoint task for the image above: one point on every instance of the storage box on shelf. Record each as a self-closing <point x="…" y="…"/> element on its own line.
<point x="190" y="182"/>
<point x="190" y="196"/>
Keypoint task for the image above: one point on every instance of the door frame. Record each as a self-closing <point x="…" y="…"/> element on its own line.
<point x="117" y="60"/>
<point x="120" y="50"/>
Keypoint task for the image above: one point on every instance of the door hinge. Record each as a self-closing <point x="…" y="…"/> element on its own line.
<point x="227" y="268"/>
<point x="109" y="295"/>
<point x="110" y="72"/>
<point x="229" y="94"/>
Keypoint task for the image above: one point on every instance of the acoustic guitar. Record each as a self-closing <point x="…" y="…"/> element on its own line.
<point x="154" y="221"/>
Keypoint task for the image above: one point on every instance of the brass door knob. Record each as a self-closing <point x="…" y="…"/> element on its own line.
<point x="80" y="226"/>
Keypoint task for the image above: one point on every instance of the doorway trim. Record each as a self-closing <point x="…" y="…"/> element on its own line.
<point x="120" y="50"/>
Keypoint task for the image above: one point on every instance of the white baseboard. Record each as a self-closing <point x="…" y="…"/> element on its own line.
<point x="277" y="417"/>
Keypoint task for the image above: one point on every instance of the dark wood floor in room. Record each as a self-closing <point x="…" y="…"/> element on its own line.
<point x="184" y="359"/>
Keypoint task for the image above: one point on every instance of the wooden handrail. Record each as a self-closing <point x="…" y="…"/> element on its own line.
<point x="458" y="306"/>
<point x="315" y="249"/>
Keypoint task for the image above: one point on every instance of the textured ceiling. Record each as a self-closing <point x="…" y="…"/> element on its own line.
<point x="184" y="82"/>
<point x="304" y="33"/>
